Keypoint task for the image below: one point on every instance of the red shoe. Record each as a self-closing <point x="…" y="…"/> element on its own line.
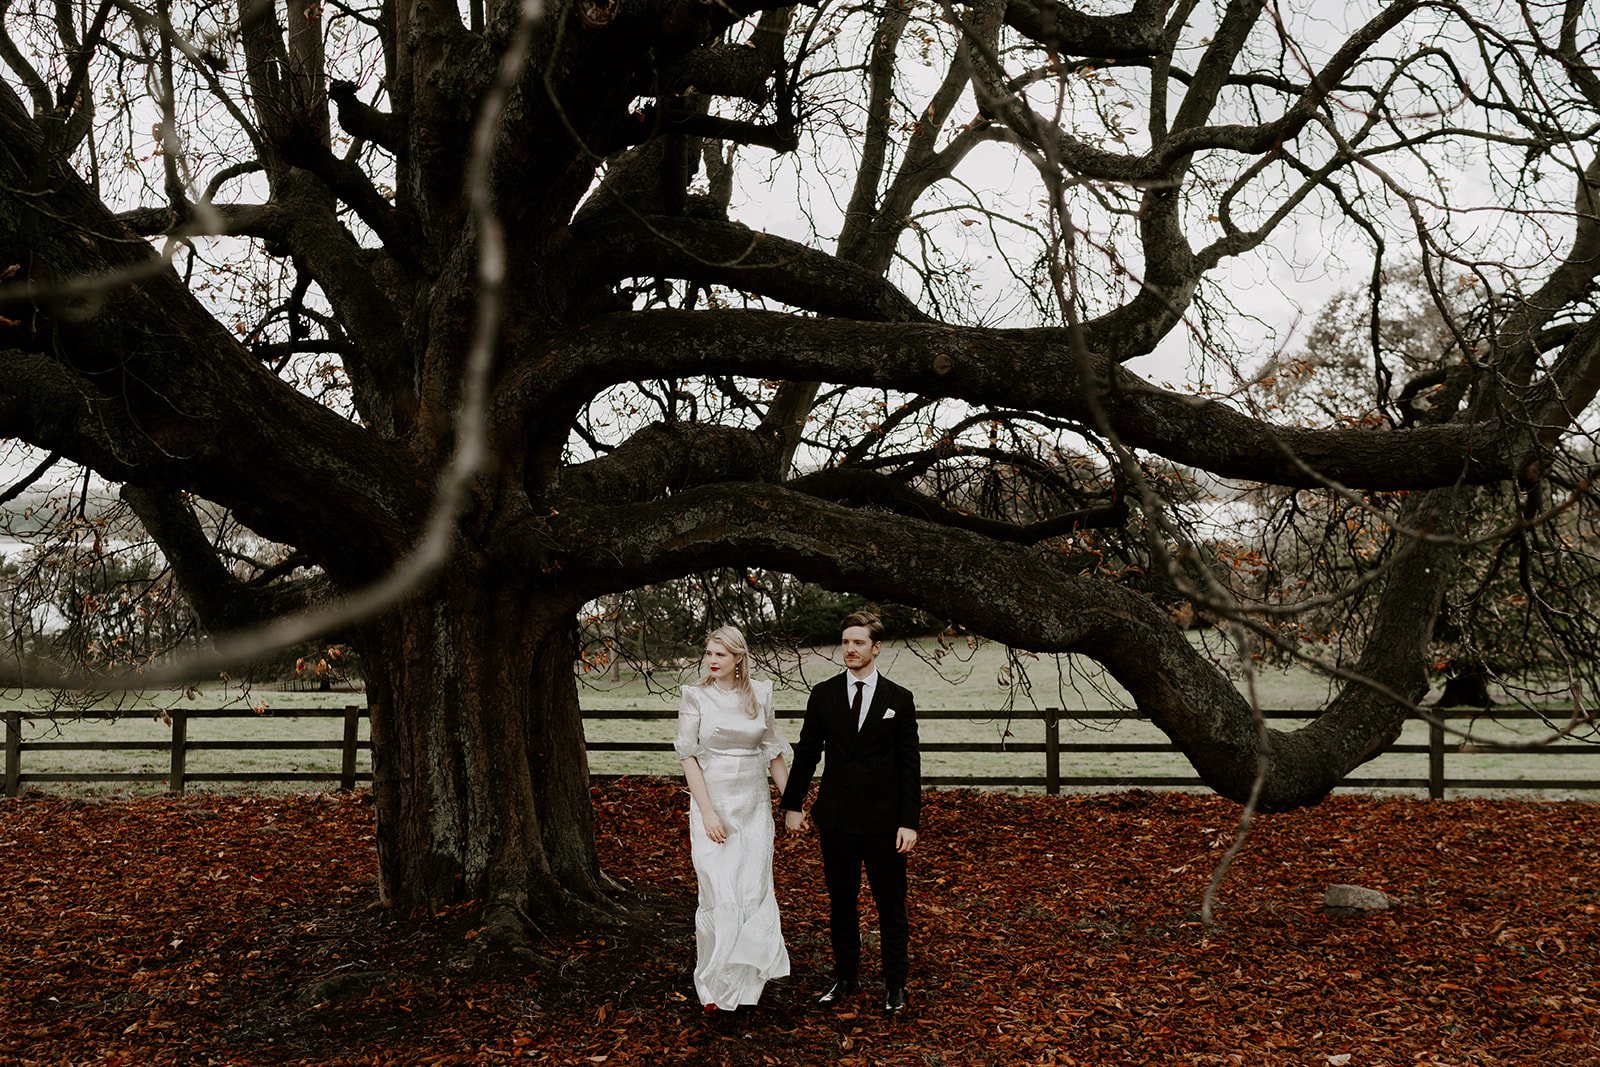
<point x="711" y="1009"/>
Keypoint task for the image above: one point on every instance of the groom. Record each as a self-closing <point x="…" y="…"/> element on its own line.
<point x="867" y="807"/>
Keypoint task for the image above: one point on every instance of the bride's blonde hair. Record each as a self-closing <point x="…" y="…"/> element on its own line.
<point x="730" y="638"/>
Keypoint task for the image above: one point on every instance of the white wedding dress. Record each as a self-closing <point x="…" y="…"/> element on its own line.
<point x="738" y="938"/>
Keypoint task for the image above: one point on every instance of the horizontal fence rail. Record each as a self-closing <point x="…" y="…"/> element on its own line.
<point x="1052" y="780"/>
<point x="178" y="746"/>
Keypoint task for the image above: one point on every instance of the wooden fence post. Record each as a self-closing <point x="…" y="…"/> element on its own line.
<point x="1052" y="752"/>
<point x="13" y="753"/>
<point x="347" y="766"/>
<point x="180" y="750"/>
<point x="1436" y="756"/>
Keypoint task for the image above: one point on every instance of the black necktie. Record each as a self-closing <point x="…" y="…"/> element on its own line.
<point x="855" y="705"/>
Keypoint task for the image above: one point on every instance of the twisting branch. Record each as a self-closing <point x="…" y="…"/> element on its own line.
<point x="436" y="539"/>
<point x="617" y="246"/>
<point x="22" y="66"/>
<point x="224" y="603"/>
<point x="1031" y="369"/>
<point x="27" y="481"/>
<point x="667" y="458"/>
<point x="863" y="488"/>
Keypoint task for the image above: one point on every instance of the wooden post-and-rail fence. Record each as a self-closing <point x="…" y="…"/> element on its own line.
<point x="179" y="776"/>
<point x="178" y="745"/>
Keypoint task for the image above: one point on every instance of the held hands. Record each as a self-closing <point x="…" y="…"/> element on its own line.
<point x="715" y="829"/>
<point x="905" y="838"/>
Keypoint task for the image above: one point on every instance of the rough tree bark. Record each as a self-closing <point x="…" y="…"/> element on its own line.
<point x="479" y="773"/>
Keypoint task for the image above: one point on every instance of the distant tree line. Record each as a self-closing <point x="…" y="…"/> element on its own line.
<point x="667" y="622"/>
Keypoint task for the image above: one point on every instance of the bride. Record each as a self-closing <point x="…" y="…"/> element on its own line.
<point x="727" y="742"/>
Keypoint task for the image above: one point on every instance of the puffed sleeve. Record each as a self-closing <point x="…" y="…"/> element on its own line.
<point x="772" y="743"/>
<point x="687" y="743"/>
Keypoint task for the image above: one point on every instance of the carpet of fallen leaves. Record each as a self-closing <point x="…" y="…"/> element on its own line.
<point x="1047" y="930"/>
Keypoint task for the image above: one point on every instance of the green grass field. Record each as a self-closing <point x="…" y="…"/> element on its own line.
<point x="1001" y="699"/>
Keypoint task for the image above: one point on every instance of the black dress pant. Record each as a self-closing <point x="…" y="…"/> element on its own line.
<point x="844" y="855"/>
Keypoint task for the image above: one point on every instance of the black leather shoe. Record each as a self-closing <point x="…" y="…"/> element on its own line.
<point x="894" y="1001"/>
<point x="844" y="987"/>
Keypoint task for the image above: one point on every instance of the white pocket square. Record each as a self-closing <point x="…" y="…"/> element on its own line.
<point x="889" y="714"/>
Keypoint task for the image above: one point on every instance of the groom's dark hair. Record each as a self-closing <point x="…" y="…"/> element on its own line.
<point x="873" y="624"/>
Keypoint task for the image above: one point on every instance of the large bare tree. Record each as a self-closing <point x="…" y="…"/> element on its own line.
<point x="262" y="257"/>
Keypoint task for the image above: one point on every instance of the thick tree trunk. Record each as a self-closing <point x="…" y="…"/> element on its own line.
<point x="480" y="775"/>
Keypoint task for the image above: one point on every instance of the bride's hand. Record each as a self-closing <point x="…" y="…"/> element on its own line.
<point x="714" y="827"/>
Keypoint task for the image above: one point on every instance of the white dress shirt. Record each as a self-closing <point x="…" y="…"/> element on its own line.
<point x="869" y="684"/>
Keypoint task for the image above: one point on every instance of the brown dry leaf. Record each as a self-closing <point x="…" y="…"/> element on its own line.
<point x="1070" y="938"/>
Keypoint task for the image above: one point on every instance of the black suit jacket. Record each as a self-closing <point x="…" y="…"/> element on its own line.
<point x="872" y="780"/>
